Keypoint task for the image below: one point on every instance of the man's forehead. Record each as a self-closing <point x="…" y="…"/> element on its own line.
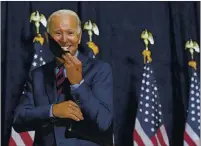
<point x="64" y="21"/>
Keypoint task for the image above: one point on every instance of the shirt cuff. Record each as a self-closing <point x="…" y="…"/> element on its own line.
<point x="75" y="86"/>
<point x="51" y="115"/>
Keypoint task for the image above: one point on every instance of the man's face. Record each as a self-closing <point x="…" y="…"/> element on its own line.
<point x="64" y="29"/>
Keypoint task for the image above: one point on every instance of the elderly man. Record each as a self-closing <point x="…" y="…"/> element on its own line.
<point x="68" y="101"/>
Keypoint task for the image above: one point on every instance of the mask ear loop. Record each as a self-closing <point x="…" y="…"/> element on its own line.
<point x="46" y="36"/>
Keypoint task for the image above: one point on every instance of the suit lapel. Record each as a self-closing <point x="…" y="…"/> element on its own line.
<point x="50" y="77"/>
<point x="84" y="59"/>
<point x="50" y="81"/>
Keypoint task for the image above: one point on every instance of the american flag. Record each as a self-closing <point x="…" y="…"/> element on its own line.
<point x="38" y="57"/>
<point x="149" y="127"/>
<point x="192" y="126"/>
<point x="27" y="138"/>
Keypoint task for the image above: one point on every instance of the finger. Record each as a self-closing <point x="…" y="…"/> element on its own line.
<point x="69" y="66"/>
<point x="66" y="58"/>
<point x="75" y="109"/>
<point x="76" y="60"/>
<point x="73" y="103"/>
<point x="78" y="114"/>
<point x="78" y="64"/>
<point x="72" y="59"/>
<point x="66" y="65"/>
<point x="71" y="116"/>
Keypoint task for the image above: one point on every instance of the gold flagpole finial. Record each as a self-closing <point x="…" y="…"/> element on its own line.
<point x="148" y="38"/>
<point x="92" y="28"/>
<point x="192" y="46"/>
<point x="37" y="19"/>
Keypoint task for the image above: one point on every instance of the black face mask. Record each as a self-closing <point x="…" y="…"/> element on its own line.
<point x="55" y="48"/>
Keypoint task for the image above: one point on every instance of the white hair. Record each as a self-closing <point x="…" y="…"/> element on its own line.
<point x="66" y="12"/>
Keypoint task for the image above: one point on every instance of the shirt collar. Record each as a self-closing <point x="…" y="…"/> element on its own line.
<point x="76" y="54"/>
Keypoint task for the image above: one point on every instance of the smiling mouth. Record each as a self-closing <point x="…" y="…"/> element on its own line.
<point x="66" y="48"/>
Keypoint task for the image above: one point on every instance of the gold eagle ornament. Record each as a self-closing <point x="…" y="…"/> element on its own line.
<point x="148" y="38"/>
<point x="92" y="28"/>
<point x="192" y="46"/>
<point x="37" y="19"/>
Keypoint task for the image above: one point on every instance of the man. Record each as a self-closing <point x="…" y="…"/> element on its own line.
<point x="68" y="101"/>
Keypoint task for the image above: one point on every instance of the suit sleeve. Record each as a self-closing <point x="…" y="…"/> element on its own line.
<point x="27" y="116"/>
<point x="97" y="99"/>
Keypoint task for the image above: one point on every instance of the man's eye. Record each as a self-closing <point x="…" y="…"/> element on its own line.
<point x="71" y="33"/>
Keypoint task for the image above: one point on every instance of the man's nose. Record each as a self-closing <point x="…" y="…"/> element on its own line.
<point x="64" y="38"/>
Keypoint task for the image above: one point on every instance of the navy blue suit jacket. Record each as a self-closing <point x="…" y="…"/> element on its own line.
<point x="96" y="101"/>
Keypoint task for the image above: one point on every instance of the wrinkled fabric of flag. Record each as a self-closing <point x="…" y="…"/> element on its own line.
<point x="27" y="138"/>
<point x="149" y="126"/>
<point x="192" y="126"/>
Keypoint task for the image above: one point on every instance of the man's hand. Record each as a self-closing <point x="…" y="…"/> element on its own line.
<point x="73" y="68"/>
<point x="67" y="109"/>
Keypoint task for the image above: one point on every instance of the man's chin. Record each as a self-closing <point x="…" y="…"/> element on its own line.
<point x="73" y="51"/>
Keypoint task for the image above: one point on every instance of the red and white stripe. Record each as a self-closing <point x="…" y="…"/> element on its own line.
<point x="21" y="139"/>
<point x="190" y="137"/>
<point x="141" y="138"/>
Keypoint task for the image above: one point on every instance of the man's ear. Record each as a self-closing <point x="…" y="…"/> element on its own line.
<point x="80" y="37"/>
